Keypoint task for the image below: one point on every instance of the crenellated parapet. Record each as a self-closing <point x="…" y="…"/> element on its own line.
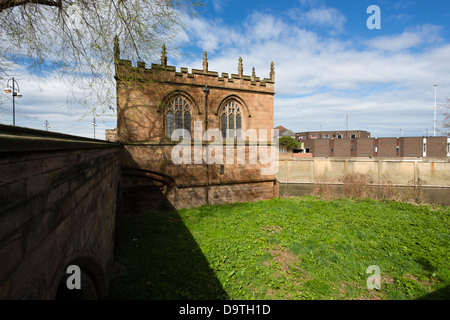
<point x="197" y="77"/>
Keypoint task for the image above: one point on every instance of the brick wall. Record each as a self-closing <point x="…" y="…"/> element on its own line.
<point x="357" y="134"/>
<point x="342" y="148"/>
<point x="411" y="147"/>
<point x="386" y="147"/>
<point x="57" y="205"/>
<point x="437" y="147"/>
<point x="319" y="148"/>
<point x="364" y="147"/>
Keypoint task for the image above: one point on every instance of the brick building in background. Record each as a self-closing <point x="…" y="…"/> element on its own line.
<point x="346" y="134"/>
<point x="360" y="144"/>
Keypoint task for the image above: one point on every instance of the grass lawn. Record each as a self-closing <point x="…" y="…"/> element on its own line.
<point x="294" y="248"/>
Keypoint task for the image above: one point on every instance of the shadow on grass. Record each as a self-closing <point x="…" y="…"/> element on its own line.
<point x="156" y="256"/>
<point x="441" y="294"/>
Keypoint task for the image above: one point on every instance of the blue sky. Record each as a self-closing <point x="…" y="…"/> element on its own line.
<point x="328" y="64"/>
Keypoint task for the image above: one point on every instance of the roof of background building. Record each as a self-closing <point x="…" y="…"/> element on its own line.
<point x="283" y="132"/>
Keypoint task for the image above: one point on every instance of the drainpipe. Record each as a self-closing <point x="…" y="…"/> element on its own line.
<point x="206" y="91"/>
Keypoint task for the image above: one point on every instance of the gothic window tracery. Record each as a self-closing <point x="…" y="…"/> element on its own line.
<point x="178" y="115"/>
<point x="231" y="120"/>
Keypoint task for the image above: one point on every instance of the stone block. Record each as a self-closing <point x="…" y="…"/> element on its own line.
<point x="12" y="193"/>
<point x="11" y="172"/>
<point x="10" y="256"/>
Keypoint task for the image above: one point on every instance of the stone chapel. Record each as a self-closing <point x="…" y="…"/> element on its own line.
<point x="154" y="103"/>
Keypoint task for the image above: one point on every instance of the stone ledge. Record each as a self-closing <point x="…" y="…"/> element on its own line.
<point x="20" y="139"/>
<point x="168" y="143"/>
<point x="226" y="183"/>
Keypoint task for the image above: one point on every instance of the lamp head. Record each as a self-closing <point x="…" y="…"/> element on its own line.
<point x="7" y="90"/>
<point x="17" y="94"/>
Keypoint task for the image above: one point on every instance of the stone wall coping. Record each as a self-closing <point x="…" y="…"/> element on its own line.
<point x="374" y="159"/>
<point x="20" y="139"/>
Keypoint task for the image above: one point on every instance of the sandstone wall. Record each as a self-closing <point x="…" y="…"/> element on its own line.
<point x="57" y="205"/>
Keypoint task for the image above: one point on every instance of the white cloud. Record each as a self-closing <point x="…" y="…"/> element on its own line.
<point x="218" y="5"/>
<point x="318" y="17"/>
<point x="52" y="100"/>
<point x="311" y="3"/>
<point x="210" y="35"/>
<point x="323" y="18"/>
<point x="426" y="34"/>
<point x="264" y="27"/>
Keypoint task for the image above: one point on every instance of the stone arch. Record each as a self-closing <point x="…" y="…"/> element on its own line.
<point x="171" y="95"/>
<point x="245" y="116"/>
<point x="156" y="176"/>
<point x="156" y="189"/>
<point x="231" y="97"/>
<point x="186" y="123"/>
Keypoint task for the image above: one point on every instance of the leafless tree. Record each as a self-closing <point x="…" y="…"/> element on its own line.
<point x="73" y="39"/>
<point x="446" y="121"/>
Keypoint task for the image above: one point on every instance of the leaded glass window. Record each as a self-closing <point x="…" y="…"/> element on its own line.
<point x="231" y="120"/>
<point x="170" y="123"/>
<point x="224" y="124"/>
<point x="178" y="115"/>
<point x="187" y="121"/>
<point x="178" y="120"/>
<point x="238" y="125"/>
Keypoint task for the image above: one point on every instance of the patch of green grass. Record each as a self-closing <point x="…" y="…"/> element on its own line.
<point x="295" y="248"/>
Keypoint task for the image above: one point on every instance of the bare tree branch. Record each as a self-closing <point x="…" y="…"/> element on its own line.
<point x="446" y="120"/>
<point x="75" y="41"/>
<point x="5" y="4"/>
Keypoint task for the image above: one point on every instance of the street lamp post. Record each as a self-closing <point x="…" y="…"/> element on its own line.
<point x="11" y="88"/>
<point x="46" y="125"/>
<point x="206" y="91"/>
<point x="435" y="106"/>
<point x="94" y="124"/>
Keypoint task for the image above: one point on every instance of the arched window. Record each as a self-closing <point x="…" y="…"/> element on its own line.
<point x="178" y="115"/>
<point x="231" y="120"/>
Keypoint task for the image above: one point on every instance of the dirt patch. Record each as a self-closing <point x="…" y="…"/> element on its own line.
<point x="365" y="293"/>
<point x="271" y="230"/>
<point x="283" y="257"/>
<point x="386" y="280"/>
<point x="284" y="261"/>
<point x="424" y="283"/>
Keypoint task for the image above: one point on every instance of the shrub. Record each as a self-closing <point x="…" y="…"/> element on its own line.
<point x="322" y="187"/>
<point x="355" y="185"/>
